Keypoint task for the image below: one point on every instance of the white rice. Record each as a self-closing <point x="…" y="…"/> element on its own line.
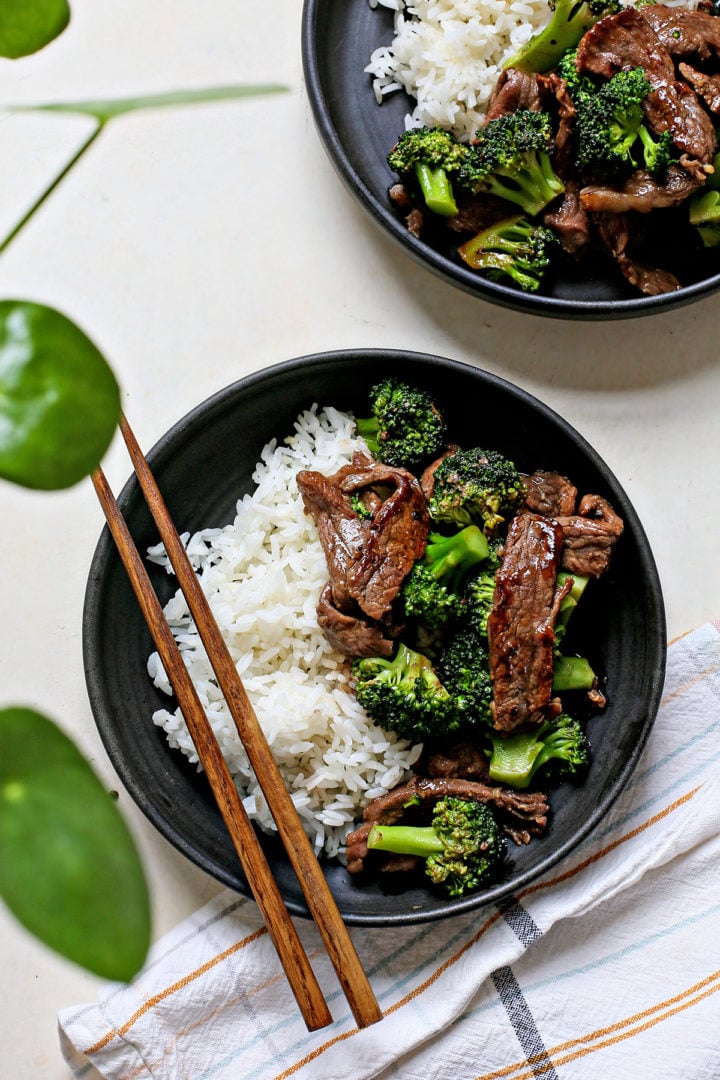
<point x="448" y="54"/>
<point x="263" y="575"/>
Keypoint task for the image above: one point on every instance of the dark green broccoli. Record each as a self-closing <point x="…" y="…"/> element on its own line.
<point x="569" y="20"/>
<point x="559" y="748"/>
<point x="405" y="428"/>
<point x="433" y="156"/>
<point x="476" y="487"/>
<point x="404" y="694"/>
<point x="432" y="591"/>
<point x="510" y="158"/>
<point x="515" y="248"/>
<point x="465" y="674"/>
<point x="577" y="82"/>
<point x="480" y="590"/>
<point x="612" y="138"/>
<point x="463" y="847"/>
<point x="704" y="215"/>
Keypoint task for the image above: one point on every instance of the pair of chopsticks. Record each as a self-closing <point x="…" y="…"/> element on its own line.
<point x="320" y="900"/>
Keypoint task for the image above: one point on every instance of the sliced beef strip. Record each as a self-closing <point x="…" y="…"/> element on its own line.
<point x="590" y="536"/>
<point x="401" y="197"/>
<point x="640" y="193"/>
<point x="414" y="222"/>
<point x="368" y="558"/>
<point x="403" y="200"/>
<point x="352" y="635"/>
<point x="707" y="87"/>
<point x="676" y="107"/>
<point x="684" y="33"/>
<point x="623" y="42"/>
<point x="476" y="213"/>
<point x="514" y="90"/>
<point x="396" y="538"/>
<point x="555" y="90"/>
<point x="461" y="759"/>
<point x="521" y="624"/>
<point x="550" y="494"/>
<point x="343" y="534"/>
<point x="627" y="40"/>
<point x="615" y="232"/>
<point x="569" y="220"/>
<point x="522" y="815"/>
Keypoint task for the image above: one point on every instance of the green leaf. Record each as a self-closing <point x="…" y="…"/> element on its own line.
<point x="59" y="400"/>
<point x="106" y="110"/>
<point x="69" y="870"/>
<point x="29" y="25"/>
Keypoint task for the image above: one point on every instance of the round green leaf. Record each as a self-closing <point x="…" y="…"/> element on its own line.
<point x="29" y="25"/>
<point x="59" y="400"/>
<point x="69" y="870"/>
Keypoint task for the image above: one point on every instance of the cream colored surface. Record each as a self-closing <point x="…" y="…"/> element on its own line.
<point x="199" y="244"/>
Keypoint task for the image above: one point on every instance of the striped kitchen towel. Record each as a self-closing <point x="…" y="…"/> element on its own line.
<point x="606" y="967"/>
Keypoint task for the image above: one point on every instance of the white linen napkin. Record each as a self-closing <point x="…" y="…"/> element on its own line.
<point x="606" y="967"/>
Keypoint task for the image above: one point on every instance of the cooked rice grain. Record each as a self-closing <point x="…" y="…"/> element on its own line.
<point x="263" y="575"/>
<point x="447" y="54"/>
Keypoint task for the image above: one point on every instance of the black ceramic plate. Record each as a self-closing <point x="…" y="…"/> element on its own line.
<point x="204" y="464"/>
<point x="338" y="39"/>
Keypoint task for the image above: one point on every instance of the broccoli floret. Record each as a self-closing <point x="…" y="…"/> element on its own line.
<point x="568" y="22"/>
<point x="516" y="248"/>
<point x="510" y="158"/>
<point x="612" y="138"/>
<point x="577" y="82"/>
<point x="432" y="589"/>
<point x="476" y="487"/>
<point x="659" y="151"/>
<point x="465" y="673"/>
<point x="463" y="846"/>
<point x="704" y="214"/>
<point x="479" y="600"/>
<point x="404" y="694"/>
<point x="405" y="428"/>
<point x="432" y="155"/>
<point x="558" y="747"/>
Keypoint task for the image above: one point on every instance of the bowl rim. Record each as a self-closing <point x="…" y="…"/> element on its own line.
<point x="105" y="553"/>
<point x="440" y="265"/>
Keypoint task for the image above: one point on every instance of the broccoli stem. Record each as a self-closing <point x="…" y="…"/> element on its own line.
<point x="513" y="758"/>
<point x="405" y="839"/>
<point x="570" y="19"/>
<point x="459" y="552"/>
<point x="369" y="429"/>
<point x="436" y="189"/>
<point x="572" y="673"/>
<point x="572" y="599"/>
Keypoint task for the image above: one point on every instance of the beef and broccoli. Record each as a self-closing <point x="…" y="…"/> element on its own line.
<point x="453" y="578"/>
<point x="601" y="134"/>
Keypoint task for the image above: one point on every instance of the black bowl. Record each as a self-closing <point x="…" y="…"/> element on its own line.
<point x="204" y="463"/>
<point x="337" y="41"/>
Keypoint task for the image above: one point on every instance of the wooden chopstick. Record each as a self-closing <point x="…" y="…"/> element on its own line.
<point x="264" y="888"/>
<point x="318" y="896"/>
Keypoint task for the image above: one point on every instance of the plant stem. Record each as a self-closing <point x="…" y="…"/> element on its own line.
<point x="51" y="187"/>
